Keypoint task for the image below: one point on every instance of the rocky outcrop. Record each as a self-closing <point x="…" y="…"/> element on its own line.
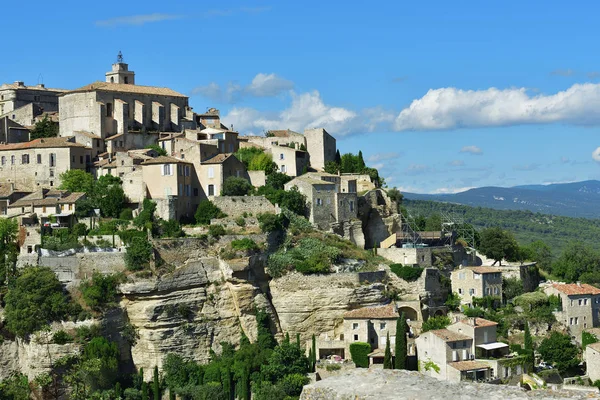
<point x="382" y="384"/>
<point x="350" y="230"/>
<point x="379" y="216"/>
<point x="315" y="304"/>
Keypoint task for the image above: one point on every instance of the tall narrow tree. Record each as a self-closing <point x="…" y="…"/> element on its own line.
<point x="400" y="345"/>
<point x="298" y="340"/>
<point x="528" y="346"/>
<point x="314" y="354"/>
<point x="387" y="358"/>
<point x="156" y="385"/>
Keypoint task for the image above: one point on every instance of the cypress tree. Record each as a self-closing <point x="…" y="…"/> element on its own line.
<point x="171" y="394"/>
<point x="387" y="358"/>
<point x="155" y="384"/>
<point x="314" y="353"/>
<point x="528" y="346"/>
<point x="361" y="162"/>
<point x="400" y="346"/>
<point x="338" y="158"/>
<point x="144" y="391"/>
<point x="287" y="338"/>
<point x="310" y="360"/>
<point x="117" y="390"/>
<point x="298" y="340"/>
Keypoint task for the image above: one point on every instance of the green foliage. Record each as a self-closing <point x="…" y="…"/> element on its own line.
<point x="498" y="244"/>
<point x="44" y="129"/>
<point x="156" y="385"/>
<point x="559" y="351"/>
<point x="528" y="301"/>
<point x="240" y="221"/>
<point x="453" y="301"/>
<point x="313" y="358"/>
<point x="16" y="387"/>
<point x="206" y="211"/>
<point x="387" y="357"/>
<point x="474" y="312"/>
<point x="216" y="230"/>
<point x="433" y="323"/>
<point x="126" y="214"/>
<point x="36" y="299"/>
<point x="256" y="159"/>
<point x="77" y="180"/>
<point x="430" y="365"/>
<point x="170" y="229"/>
<point x="576" y="260"/>
<point x="269" y="222"/>
<point x="286" y="359"/>
<point x="61" y="337"/>
<point x="146" y="216"/>
<point x="359" y="352"/>
<point x="528" y="348"/>
<point x="244" y="244"/>
<point x="95" y="370"/>
<point x="139" y="252"/>
<point x="486" y="302"/>
<point x="108" y="196"/>
<point x="332" y="167"/>
<point x="277" y="180"/>
<point x="511" y="288"/>
<point x="308" y="256"/>
<point x="588" y="338"/>
<point x="291" y="199"/>
<point x="409" y="274"/>
<point x="9" y="228"/>
<point x="234" y="186"/>
<point x="100" y="291"/>
<point x="400" y="345"/>
<point x="159" y="150"/>
<point x="264" y="336"/>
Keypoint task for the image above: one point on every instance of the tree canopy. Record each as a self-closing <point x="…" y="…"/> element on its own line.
<point x="498" y="244"/>
<point x="558" y="350"/>
<point x="44" y="129"/>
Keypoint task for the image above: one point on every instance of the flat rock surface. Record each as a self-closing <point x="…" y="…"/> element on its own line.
<point x="371" y="384"/>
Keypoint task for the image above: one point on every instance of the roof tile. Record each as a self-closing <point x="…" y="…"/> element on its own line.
<point x="125" y="88"/>
<point x="379" y="312"/>
<point x="449" y="336"/>
<point x="576" y="288"/>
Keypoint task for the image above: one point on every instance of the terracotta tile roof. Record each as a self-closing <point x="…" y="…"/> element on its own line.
<point x="284" y="133"/>
<point x="312" y="181"/>
<point x="479" y="322"/>
<point x="165" y="160"/>
<point x="89" y="134"/>
<point x="218" y="159"/>
<point x="468" y="365"/>
<point x="65" y="198"/>
<point x="380" y="312"/>
<point x="125" y="88"/>
<point x="574" y="289"/>
<point x="449" y="336"/>
<point x="484" y="270"/>
<point x="595" y="346"/>
<point x="42" y="143"/>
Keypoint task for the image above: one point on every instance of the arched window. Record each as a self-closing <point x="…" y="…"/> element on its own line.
<point x="112" y="79"/>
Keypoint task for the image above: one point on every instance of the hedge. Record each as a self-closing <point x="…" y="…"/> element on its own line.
<point x="409" y="274"/>
<point x="360" y="354"/>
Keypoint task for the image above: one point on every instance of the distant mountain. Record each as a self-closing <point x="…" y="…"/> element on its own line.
<point x="577" y="199"/>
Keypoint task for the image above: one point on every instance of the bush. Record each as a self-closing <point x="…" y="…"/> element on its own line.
<point x="292" y="384"/>
<point x="100" y="291"/>
<point x="138" y="255"/>
<point x="269" y="222"/>
<point x="126" y="214"/>
<point x="409" y="274"/>
<point x="244" y="244"/>
<point x="216" y="230"/>
<point x="206" y="211"/>
<point x="531" y="300"/>
<point x="240" y="221"/>
<point x="234" y="186"/>
<point x="333" y="367"/>
<point x="434" y="323"/>
<point x="146" y="216"/>
<point x="128" y="235"/>
<point x="80" y="229"/>
<point x="360" y="354"/>
<point x="170" y="229"/>
<point x="61" y="337"/>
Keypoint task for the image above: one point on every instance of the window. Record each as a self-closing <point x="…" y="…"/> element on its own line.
<point x="328" y="201"/>
<point x="281" y="157"/>
<point x="167" y="169"/>
<point x="51" y="173"/>
<point x="211" y="190"/>
<point x="455" y="355"/>
<point x="51" y="183"/>
<point x="382" y="325"/>
<point x="4" y="160"/>
<point x="471" y="292"/>
<point x="319" y="202"/>
<point x="465" y="354"/>
<point x="580" y="302"/>
<point x="211" y="172"/>
<point x="355" y="325"/>
<point x="453" y="345"/>
<point x="81" y="160"/>
<point x="477" y="276"/>
<point x="12" y="160"/>
<point x="109" y="109"/>
<point x="351" y="205"/>
<point x="460" y="291"/>
<point x="488" y="291"/>
<point x="585" y="302"/>
<point x="52" y="158"/>
<point x="25" y="159"/>
<point x="187" y="170"/>
<point x="72" y="159"/>
<point x="195" y="192"/>
<point x="496" y="290"/>
<point x="461" y="275"/>
<point x="44" y="209"/>
<point x="283" y="169"/>
<point x="356" y="338"/>
<point x="125" y="80"/>
<point x="188" y="190"/>
<point x="180" y="190"/>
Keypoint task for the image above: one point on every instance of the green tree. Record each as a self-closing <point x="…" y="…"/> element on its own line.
<point x="111" y="203"/>
<point x="262" y="162"/>
<point x="100" y="291"/>
<point x="146" y="217"/>
<point x="155" y="385"/>
<point x="206" y="211"/>
<point x="138" y="254"/>
<point x="528" y="346"/>
<point x="77" y="180"/>
<point x="511" y="288"/>
<point x="44" y="129"/>
<point x="313" y="361"/>
<point x="286" y="359"/>
<point x="387" y="358"/>
<point x="558" y="350"/>
<point x="498" y="244"/>
<point x="587" y="338"/>
<point x="541" y="253"/>
<point x="434" y="323"/>
<point x="15" y="387"/>
<point x="234" y="186"/>
<point x="359" y="351"/>
<point x="576" y="259"/>
<point x="360" y="163"/>
<point x="36" y="299"/>
<point x="400" y="345"/>
<point x="159" y="150"/>
<point x="331" y="167"/>
<point x="9" y="229"/>
<point x="277" y="180"/>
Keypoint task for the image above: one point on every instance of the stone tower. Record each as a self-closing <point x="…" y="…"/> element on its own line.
<point x="120" y="72"/>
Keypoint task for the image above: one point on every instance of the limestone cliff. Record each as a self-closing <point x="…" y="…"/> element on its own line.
<point x="379" y="216"/>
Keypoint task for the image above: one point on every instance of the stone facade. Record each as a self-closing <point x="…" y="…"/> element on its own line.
<point x="290" y="161"/>
<point x="421" y="256"/>
<point x="16" y="95"/>
<point x="470" y="282"/>
<point x="236" y="206"/>
<point x="213" y="172"/>
<point x="321" y="146"/>
<point x="592" y="358"/>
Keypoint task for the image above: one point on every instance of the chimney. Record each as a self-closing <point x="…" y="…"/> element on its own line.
<point x="474" y="321"/>
<point x="579" y="283"/>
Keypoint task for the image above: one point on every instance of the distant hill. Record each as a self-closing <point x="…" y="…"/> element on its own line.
<point x="577" y="199"/>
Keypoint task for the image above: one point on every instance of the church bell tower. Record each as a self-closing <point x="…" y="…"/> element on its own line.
<point x="120" y="72"/>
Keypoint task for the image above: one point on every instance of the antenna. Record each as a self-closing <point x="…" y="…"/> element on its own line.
<point x="42" y="78"/>
<point x="120" y="57"/>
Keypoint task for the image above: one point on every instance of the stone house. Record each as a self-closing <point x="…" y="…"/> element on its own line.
<point x="329" y="198"/>
<point x="290" y="160"/>
<point x="16" y="95"/>
<point x="592" y="359"/>
<point x="40" y="162"/>
<point x="470" y="282"/>
<point x="213" y="172"/>
<point x="49" y="207"/>
<point x="171" y="183"/>
<point x="12" y="132"/>
<point x="321" y="146"/>
<point x="580" y="306"/>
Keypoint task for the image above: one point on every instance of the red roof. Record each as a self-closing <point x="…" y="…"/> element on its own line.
<point x="381" y="312"/>
<point x="476" y="322"/>
<point x="576" y="288"/>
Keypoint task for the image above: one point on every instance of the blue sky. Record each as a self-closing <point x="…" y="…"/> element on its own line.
<point x="440" y="96"/>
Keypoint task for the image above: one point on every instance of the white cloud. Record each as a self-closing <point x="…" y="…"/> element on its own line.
<point x="562" y="72"/>
<point x="267" y="85"/>
<point x="377" y="157"/>
<point x="417" y="169"/>
<point x="596" y="155"/>
<point x="451" y="108"/>
<point x="472" y="150"/>
<point x="456" y="163"/>
<point x="137" y="20"/>
<point x="307" y="110"/>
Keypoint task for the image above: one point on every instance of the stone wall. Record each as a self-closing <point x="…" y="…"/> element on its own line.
<point x="257" y="178"/>
<point x="236" y="206"/>
<point x="408" y="256"/>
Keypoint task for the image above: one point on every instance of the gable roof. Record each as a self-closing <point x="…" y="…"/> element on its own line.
<point x="164" y="160"/>
<point x="575" y="288"/>
<point x="218" y="159"/>
<point x="378" y="312"/>
<point x="478" y="322"/>
<point x="50" y="199"/>
<point x="468" y="365"/>
<point x="125" y="88"/>
<point x="42" y="143"/>
<point x="282" y="133"/>
<point x="450" y="336"/>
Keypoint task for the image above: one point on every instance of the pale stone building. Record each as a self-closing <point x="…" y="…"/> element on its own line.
<point x="321" y="146"/>
<point x="470" y="282"/>
<point x="592" y="359"/>
<point x="16" y="95"/>
<point x="9" y="195"/>
<point x="580" y="306"/>
<point x="213" y="172"/>
<point x="12" y="132"/>
<point x="40" y="162"/>
<point x="47" y="205"/>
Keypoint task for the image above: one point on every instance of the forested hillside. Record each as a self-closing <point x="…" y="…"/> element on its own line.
<point x="556" y="231"/>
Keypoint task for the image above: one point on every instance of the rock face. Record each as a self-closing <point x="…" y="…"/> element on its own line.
<point x="379" y="384"/>
<point x="379" y="216"/>
<point x="315" y="304"/>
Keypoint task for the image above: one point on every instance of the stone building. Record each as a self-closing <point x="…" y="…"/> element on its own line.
<point x="592" y="359"/>
<point x="330" y="199"/>
<point x="321" y="146"/>
<point x="9" y="195"/>
<point x="470" y="282"/>
<point x="12" y="132"/>
<point x="16" y="95"/>
<point x="290" y="160"/>
<point x="580" y="306"/>
<point x="213" y="172"/>
<point x="48" y="205"/>
<point x="40" y="162"/>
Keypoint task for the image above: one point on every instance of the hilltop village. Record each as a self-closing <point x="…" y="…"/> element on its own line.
<point x="150" y="250"/>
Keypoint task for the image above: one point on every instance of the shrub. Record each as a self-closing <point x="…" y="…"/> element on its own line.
<point x="216" y="230"/>
<point x="531" y="300"/>
<point x="409" y="274"/>
<point x="138" y="255"/>
<point x="234" y="186"/>
<point x="170" y="229"/>
<point x="333" y="367"/>
<point x="61" y="337"/>
<point x="292" y="384"/>
<point x="433" y="323"/>
<point x="103" y="243"/>
<point x="80" y="229"/>
<point x="126" y="214"/>
<point x="360" y="354"/>
<point x="475" y="312"/>
<point x="128" y="235"/>
<point x="206" y="211"/>
<point x="145" y="216"/>
<point x="86" y="333"/>
<point x="100" y="291"/>
<point x="240" y="221"/>
<point x="269" y="222"/>
<point x="244" y="244"/>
